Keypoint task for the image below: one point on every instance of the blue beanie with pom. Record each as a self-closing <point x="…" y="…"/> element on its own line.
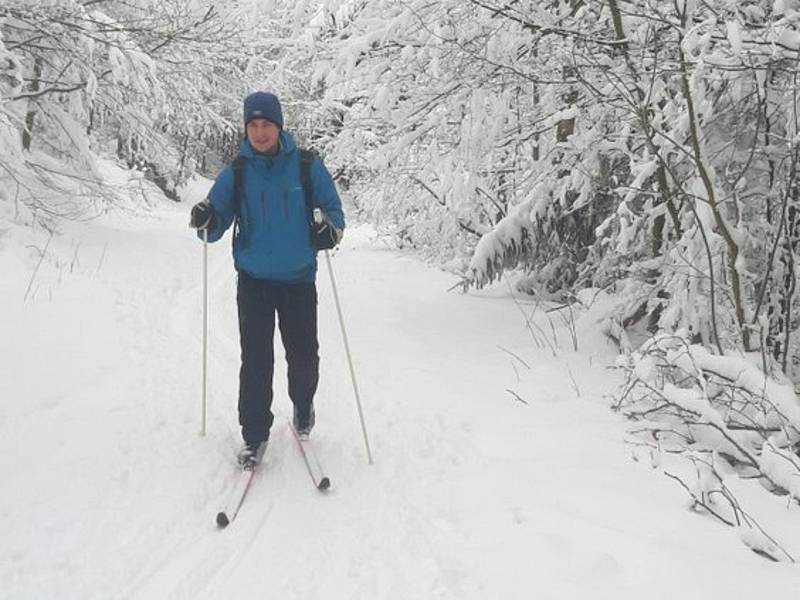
<point x="263" y="105"/>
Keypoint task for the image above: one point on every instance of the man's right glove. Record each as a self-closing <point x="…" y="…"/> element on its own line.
<point x="203" y="216"/>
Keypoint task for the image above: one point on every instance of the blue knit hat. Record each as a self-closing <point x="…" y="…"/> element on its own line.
<point x="263" y="105"/>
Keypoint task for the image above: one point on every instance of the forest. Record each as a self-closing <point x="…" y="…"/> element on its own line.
<point x="646" y="150"/>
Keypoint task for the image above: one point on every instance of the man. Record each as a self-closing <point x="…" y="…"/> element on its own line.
<point x="276" y="263"/>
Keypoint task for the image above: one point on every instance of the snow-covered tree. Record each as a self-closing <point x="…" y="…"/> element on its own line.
<point x="581" y="144"/>
<point x="145" y="81"/>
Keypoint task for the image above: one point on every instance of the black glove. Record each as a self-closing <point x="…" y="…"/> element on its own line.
<point x="203" y="216"/>
<point x="324" y="236"/>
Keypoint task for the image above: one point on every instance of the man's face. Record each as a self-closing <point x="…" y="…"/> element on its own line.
<point x="263" y="135"/>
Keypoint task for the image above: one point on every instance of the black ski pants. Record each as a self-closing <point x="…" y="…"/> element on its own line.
<point x="296" y="307"/>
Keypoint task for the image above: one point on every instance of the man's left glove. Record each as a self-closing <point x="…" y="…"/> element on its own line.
<point x="203" y="216"/>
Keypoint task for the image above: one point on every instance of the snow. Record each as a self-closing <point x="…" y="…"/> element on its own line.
<point x="782" y="468"/>
<point x="109" y="491"/>
<point x="734" y="37"/>
<point x="789" y="38"/>
<point x="744" y="374"/>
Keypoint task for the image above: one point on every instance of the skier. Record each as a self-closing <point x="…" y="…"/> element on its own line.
<point x="276" y="264"/>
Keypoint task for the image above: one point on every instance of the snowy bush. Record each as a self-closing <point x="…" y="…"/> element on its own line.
<point x="726" y="418"/>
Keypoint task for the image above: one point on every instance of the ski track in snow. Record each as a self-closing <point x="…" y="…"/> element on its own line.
<point x="111" y="492"/>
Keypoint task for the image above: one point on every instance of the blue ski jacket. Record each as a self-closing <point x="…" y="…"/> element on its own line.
<point x="273" y="241"/>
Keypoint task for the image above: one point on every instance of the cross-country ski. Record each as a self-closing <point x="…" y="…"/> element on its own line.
<point x="236" y="500"/>
<point x="250" y="469"/>
<point x="311" y="460"/>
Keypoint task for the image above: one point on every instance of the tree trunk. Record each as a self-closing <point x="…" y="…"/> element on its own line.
<point x="30" y="116"/>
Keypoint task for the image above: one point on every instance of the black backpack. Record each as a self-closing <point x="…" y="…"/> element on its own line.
<point x="322" y="234"/>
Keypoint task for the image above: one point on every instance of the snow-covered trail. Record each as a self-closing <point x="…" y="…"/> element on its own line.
<point x="109" y="491"/>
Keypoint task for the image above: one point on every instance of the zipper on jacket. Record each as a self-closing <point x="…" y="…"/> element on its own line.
<point x="263" y="210"/>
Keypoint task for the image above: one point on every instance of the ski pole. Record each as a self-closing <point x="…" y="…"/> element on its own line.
<point x="349" y="359"/>
<point x="205" y="328"/>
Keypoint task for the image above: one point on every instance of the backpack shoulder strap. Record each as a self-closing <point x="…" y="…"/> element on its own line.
<point x="238" y="176"/>
<point x="238" y="167"/>
<point x="306" y="158"/>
